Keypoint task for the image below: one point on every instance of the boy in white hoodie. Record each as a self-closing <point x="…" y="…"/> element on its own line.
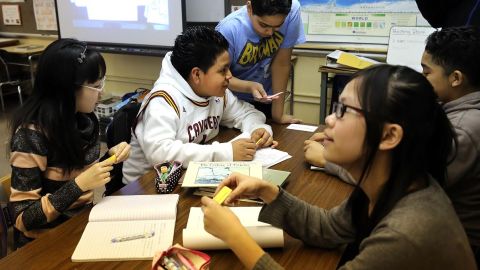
<point x="193" y="102"/>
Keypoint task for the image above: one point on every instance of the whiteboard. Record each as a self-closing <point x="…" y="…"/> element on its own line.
<point x="205" y="10"/>
<point x="406" y="46"/>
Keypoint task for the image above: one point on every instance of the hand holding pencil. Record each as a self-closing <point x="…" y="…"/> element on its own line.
<point x="243" y="149"/>
<point x="263" y="139"/>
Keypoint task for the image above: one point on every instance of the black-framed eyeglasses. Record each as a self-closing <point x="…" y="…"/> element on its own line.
<point x="339" y="109"/>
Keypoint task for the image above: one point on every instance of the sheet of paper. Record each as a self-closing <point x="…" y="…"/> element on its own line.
<point x="302" y="127"/>
<point x="195" y="236"/>
<point x="335" y="54"/>
<point x="267" y="156"/>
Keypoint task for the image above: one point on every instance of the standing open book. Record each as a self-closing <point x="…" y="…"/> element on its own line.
<point x="128" y="228"/>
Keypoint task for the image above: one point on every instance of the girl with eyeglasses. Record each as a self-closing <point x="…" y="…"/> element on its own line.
<point x="55" y="141"/>
<point x="391" y="135"/>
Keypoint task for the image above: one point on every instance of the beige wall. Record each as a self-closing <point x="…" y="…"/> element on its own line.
<point x="307" y="88"/>
<point x="125" y="73"/>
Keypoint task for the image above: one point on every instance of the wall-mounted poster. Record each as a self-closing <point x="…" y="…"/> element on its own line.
<point x="11" y="15"/>
<point x="357" y="21"/>
<point x="45" y="17"/>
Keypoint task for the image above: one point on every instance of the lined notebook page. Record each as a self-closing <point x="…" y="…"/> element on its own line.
<point x="135" y="207"/>
<point x="96" y="242"/>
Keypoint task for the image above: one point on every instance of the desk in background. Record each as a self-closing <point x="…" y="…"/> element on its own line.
<point x="324" y="70"/>
<point x="312" y="55"/>
<point x="8" y="42"/>
<point x="25" y="52"/>
<point x="54" y="249"/>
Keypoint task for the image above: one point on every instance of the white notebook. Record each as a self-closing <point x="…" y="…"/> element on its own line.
<point x="125" y="217"/>
<point x="195" y="236"/>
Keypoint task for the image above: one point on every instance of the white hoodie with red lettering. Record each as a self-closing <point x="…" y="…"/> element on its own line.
<point x="175" y="125"/>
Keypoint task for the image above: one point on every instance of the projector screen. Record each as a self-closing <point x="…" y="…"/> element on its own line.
<point x="122" y="26"/>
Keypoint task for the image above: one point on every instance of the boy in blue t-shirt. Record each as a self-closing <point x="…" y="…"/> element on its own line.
<point x="261" y="36"/>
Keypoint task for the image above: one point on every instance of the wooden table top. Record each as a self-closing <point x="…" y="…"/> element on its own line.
<point x="54" y="249"/>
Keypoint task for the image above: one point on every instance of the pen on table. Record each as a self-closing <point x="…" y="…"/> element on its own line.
<point x="315" y="168"/>
<point x="251" y="201"/>
<point x="133" y="237"/>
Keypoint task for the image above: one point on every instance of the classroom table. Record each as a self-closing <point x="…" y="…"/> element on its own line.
<point x="54" y="249"/>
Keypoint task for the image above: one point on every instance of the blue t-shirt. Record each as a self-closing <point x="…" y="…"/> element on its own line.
<point x="250" y="54"/>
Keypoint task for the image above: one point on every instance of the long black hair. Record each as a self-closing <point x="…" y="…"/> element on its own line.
<point x="400" y="95"/>
<point x="63" y="67"/>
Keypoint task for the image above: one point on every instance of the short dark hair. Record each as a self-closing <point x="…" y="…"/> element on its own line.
<point x="271" y="7"/>
<point x="400" y="95"/>
<point x="51" y="108"/>
<point x="457" y="48"/>
<point x="198" y="46"/>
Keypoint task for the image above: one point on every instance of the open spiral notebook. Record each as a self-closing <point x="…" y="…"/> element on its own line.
<point x="128" y="228"/>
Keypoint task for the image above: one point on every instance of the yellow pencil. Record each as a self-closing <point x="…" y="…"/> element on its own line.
<point x="112" y="158"/>
<point x="259" y="140"/>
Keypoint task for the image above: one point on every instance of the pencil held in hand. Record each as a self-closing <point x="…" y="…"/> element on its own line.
<point x="113" y="158"/>
<point x="222" y="195"/>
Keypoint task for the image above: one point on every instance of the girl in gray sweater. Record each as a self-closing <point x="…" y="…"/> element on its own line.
<point x="393" y="138"/>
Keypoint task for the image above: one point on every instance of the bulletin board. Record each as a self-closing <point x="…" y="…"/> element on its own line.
<point x="357" y="21"/>
<point x="28" y="24"/>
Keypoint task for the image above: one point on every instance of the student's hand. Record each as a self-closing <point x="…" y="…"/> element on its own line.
<point x="262" y="138"/>
<point x="244" y="186"/>
<point x="97" y="175"/>
<point x="313" y="151"/>
<point x="258" y="92"/>
<point x="121" y="151"/>
<point x="243" y="149"/>
<point x="287" y="119"/>
<point x="318" y="137"/>
<point x="220" y="221"/>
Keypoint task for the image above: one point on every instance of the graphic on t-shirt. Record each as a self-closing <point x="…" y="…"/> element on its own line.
<point x="253" y="53"/>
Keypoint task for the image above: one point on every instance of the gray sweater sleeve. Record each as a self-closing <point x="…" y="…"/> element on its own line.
<point x="340" y="172"/>
<point x="268" y="263"/>
<point x="319" y="227"/>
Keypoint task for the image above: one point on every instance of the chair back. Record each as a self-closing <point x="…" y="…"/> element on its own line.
<point x="6" y="215"/>
<point x="4" y="72"/>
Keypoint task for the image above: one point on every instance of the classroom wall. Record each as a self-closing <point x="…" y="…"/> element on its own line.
<point x="125" y="73"/>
